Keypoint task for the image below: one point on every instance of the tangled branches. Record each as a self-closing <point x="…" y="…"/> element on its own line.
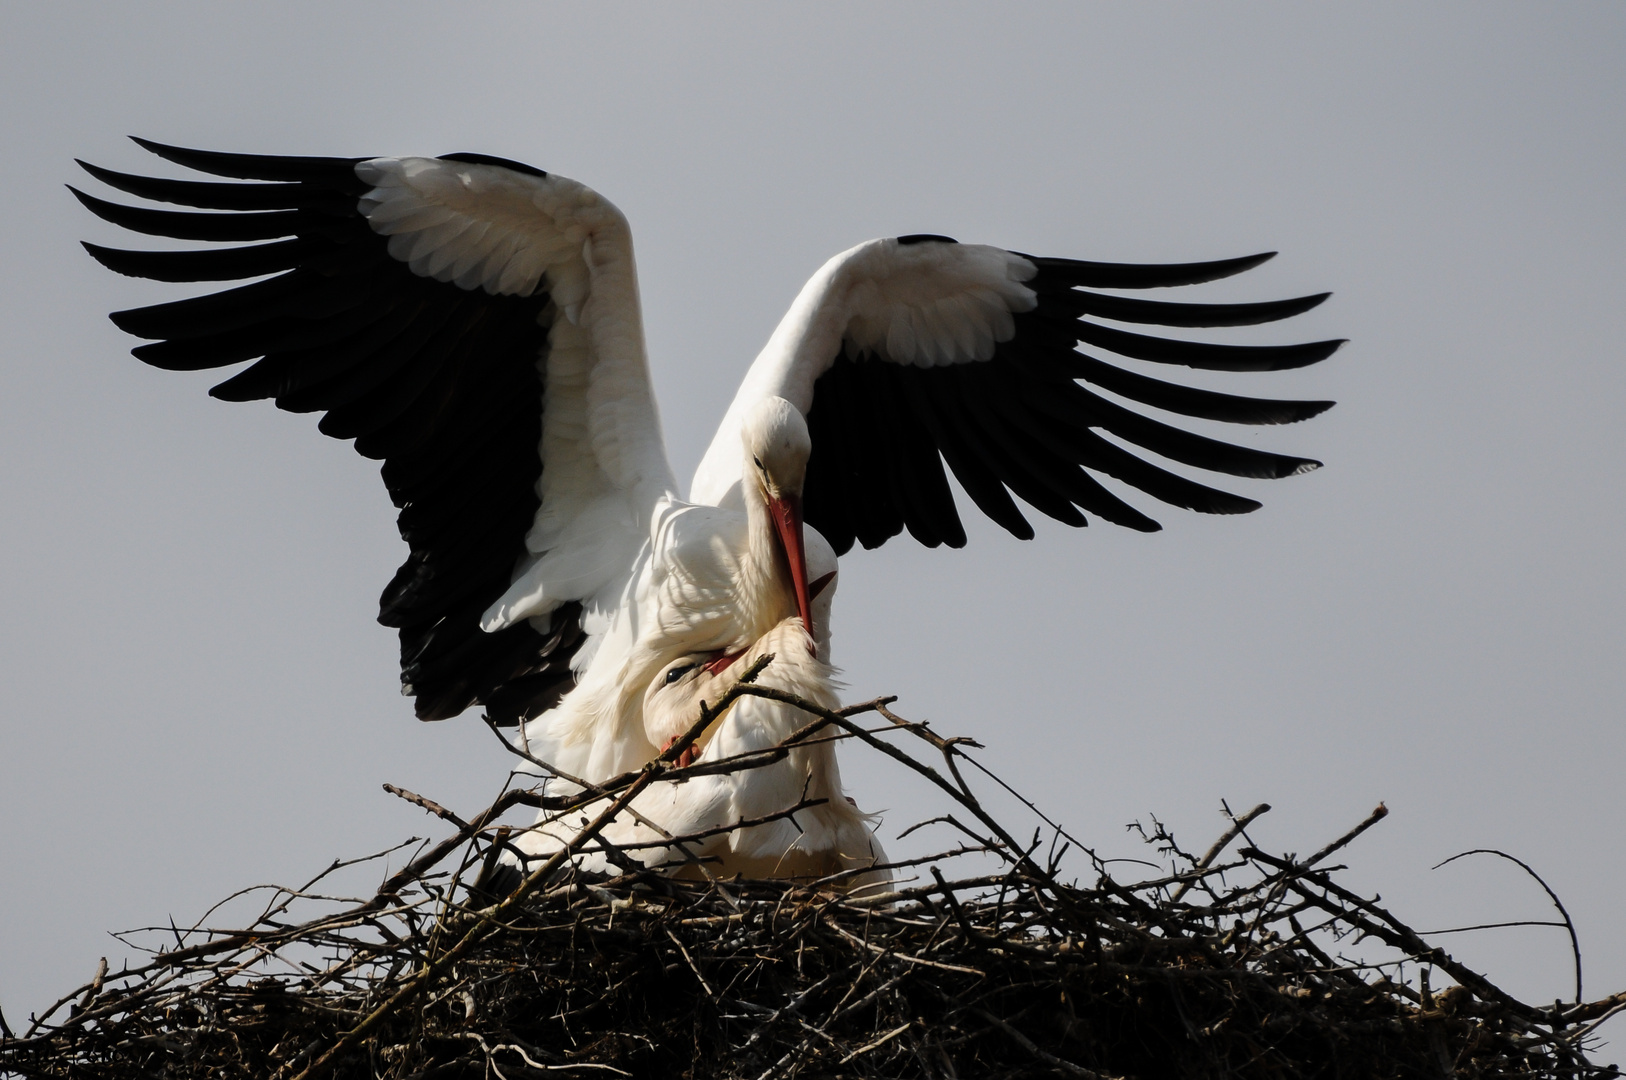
<point x="1233" y="965"/>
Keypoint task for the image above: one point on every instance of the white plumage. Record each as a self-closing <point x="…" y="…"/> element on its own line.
<point x="829" y="838"/>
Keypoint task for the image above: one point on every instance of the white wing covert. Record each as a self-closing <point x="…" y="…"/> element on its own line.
<point x="910" y="352"/>
<point x="472" y="322"/>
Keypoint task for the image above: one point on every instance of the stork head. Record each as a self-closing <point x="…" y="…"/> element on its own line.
<point x="777" y="446"/>
<point x="672" y="699"/>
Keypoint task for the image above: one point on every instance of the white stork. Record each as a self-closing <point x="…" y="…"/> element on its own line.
<point x="474" y="323"/>
<point x="829" y="837"/>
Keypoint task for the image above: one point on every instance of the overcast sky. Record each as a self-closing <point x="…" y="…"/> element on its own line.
<point x="198" y="698"/>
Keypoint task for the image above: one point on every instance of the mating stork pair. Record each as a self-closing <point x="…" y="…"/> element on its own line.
<point x="475" y="324"/>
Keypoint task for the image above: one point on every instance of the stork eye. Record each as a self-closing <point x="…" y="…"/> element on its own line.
<point x="758" y="462"/>
<point x="678" y="672"/>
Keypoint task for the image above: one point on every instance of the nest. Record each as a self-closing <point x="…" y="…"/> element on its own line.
<point x="1239" y="965"/>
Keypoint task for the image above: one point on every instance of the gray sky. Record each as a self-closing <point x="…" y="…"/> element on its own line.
<point x="198" y="698"/>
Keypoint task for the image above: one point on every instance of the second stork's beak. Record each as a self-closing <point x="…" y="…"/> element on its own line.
<point x="786" y="512"/>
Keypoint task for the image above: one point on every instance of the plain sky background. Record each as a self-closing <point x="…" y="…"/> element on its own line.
<point x="198" y="699"/>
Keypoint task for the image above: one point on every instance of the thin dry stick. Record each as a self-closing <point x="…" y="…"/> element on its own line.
<point x="1568" y="923"/>
<point x="1237" y="825"/>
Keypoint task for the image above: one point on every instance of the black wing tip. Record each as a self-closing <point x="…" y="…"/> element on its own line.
<point x="910" y="239"/>
<point x="1298" y="305"/>
<point x="108" y="257"/>
<point x="277" y="167"/>
<point x="121" y="317"/>
<point x="106" y="176"/>
<point x="1311" y="352"/>
<point x="163" y="150"/>
<point x="177" y="154"/>
<point x="1218" y="269"/>
<point x="430" y="711"/>
<point x="249" y="384"/>
<point x="201" y="160"/>
<point x="469" y="158"/>
<point x="1089" y="274"/>
<point x="111" y="177"/>
<point x="108" y="211"/>
<point x="128" y="320"/>
<point x="1236" y="504"/>
<point x="1307" y="409"/>
<point x="1301" y="356"/>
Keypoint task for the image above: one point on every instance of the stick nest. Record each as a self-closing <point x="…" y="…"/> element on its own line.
<point x="1234" y="965"/>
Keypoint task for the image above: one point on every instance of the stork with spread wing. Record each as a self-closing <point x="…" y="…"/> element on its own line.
<point x="474" y="324"/>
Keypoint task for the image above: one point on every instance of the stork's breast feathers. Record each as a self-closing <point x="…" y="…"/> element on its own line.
<point x="932" y="303"/>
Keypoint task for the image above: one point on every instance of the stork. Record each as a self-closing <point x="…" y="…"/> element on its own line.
<point x="805" y="825"/>
<point x="474" y="323"/>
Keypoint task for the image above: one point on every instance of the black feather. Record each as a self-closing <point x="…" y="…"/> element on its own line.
<point x="1068" y="273"/>
<point x="211" y="195"/>
<point x="299" y="353"/>
<point x="924" y="491"/>
<point x="226" y="264"/>
<point x="1171" y="442"/>
<point x="189" y="225"/>
<point x="487" y="159"/>
<point x="939" y="410"/>
<point x="1191" y="401"/>
<point x="824" y="496"/>
<point x="1199" y="354"/>
<point x="338" y="174"/>
<point x="301" y="293"/>
<point x="1165" y="313"/>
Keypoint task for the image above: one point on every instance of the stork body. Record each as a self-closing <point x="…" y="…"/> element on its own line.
<point x="474" y="324"/>
<point x="710" y="580"/>
<point x="828" y="836"/>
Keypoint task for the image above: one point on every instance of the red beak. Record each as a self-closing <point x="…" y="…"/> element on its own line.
<point x="787" y="522"/>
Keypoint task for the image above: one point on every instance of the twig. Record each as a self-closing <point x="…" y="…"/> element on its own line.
<point x="1568" y="924"/>
<point x="428" y="804"/>
<point x="1045" y="1056"/>
<point x="1237" y="825"/>
<point x="1377" y="815"/>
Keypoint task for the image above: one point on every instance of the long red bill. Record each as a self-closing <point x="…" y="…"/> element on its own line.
<point x="787" y="522"/>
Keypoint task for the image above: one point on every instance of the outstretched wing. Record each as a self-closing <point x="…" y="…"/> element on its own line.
<point x="905" y="353"/>
<point x="471" y="322"/>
